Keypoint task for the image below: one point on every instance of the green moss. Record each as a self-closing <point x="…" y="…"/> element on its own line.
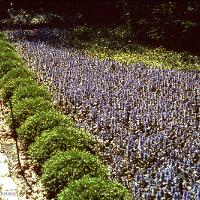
<point x="94" y="188"/>
<point x="65" y="167"/>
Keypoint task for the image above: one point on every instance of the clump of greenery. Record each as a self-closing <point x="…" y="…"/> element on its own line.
<point x="65" y="167"/>
<point x="94" y="188"/>
<point x="17" y="72"/>
<point x="43" y="120"/>
<point x="8" y="63"/>
<point x="28" y="107"/>
<point x="152" y="57"/>
<point x="31" y="91"/>
<point x="7" y="51"/>
<point x="60" y="138"/>
<point x="26" y="18"/>
<point x="7" y="54"/>
<point x="9" y="88"/>
<point x="115" y="43"/>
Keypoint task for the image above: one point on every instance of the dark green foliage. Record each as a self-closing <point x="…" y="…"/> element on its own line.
<point x="94" y="188"/>
<point x="60" y="138"/>
<point x="1" y="36"/>
<point x="65" y="167"/>
<point x="16" y="73"/>
<point x="172" y="24"/>
<point x="43" y="120"/>
<point x="119" y="49"/>
<point x="57" y="13"/>
<point x="31" y="91"/>
<point x="12" y="85"/>
<point x="28" y="107"/>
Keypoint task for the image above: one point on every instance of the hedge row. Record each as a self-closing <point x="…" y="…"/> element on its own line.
<point x="64" y="156"/>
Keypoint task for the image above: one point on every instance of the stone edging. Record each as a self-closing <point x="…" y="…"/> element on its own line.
<point x="8" y="188"/>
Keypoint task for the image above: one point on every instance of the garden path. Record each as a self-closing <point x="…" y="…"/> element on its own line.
<point x="8" y="187"/>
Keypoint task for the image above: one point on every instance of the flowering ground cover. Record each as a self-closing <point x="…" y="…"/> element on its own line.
<point x="147" y="118"/>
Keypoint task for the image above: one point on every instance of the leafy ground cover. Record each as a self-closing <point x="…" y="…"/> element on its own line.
<point x="114" y="43"/>
<point x="147" y="118"/>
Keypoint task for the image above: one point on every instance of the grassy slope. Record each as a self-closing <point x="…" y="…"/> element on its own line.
<point x="114" y="43"/>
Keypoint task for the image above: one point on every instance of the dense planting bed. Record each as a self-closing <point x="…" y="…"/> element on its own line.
<point x="62" y="154"/>
<point x="148" y="118"/>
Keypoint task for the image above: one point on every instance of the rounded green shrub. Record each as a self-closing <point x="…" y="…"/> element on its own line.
<point x="64" y="167"/>
<point x="94" y="188"/>
<point x="8" y="49"/>
<point x="12" y="85"/>
<point x="28" y="107"/>
<point x="8" y="64"/>
<point x="8" y="52"/>
<point x="43" y="120"/>
<point x="4" y="42"/>
<point x="60" y="138"/>
<point x="17" y="72"/>
<point x="30" y="91"/>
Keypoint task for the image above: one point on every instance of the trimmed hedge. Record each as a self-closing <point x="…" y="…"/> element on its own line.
<point x="7" y="65"/>
<point x="60" y="138"/>
<point x="4" y="42"/>
<point x="8" y="53"/>
<point x="13" y="85"/>
<point x="43" y="120"/>
<point x="15" y="73"/>
<point x="65" y="167"/>
<point x="6" y="49"/>
<point x="28" y="107"/>
<point x="31" y="91"/>
<point x="93" y="189"/>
